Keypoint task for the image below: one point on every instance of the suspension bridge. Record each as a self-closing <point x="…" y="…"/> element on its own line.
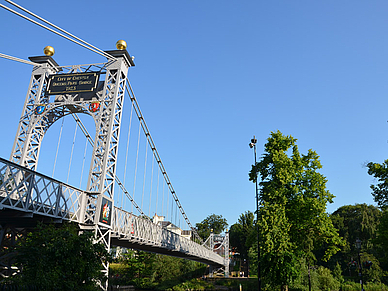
<point x="126" y="198"/>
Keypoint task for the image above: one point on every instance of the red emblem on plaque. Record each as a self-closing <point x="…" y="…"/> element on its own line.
<point x="94" y="106"/>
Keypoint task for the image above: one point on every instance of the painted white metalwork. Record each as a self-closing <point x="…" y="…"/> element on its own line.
<point x="26" y="146"/>
<point x="40" y="195"/>
<point x="24" y="190"/>
<point x="136" y="230"/>
<point x="220" y="245"/>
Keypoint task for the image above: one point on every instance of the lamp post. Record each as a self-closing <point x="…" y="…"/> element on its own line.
<point x="358" y="246"/>
<point x="253" y="145"/>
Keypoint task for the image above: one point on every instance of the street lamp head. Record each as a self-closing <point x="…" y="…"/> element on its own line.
<point x="358" y="244"/>
<point x="253" y="142"/>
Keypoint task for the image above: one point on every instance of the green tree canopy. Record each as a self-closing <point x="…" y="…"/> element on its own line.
<point x="358" y="221"/>
<point x="58" y="258"/>
<point x="152" y="271"/>
<point x="213" y="222"/>
<point x="292" y="215"/>
<point x="380" y="190"/>
<point x="242" y="234"/>
<point x="380" y="195"/>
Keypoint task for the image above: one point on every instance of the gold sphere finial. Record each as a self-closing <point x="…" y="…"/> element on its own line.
<point x="121" y="44"/>
<point x="49" y="51"/>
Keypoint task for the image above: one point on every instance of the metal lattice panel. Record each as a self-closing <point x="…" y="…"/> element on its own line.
<point x="37" y="194"/>
<point x="25" y="193"/>
<point x="103" y="166"/>
<point x="25" y="150"/>
<point x="130" y="229"/>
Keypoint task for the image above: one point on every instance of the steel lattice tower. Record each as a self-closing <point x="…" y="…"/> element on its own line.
<point x="40" y="111"/>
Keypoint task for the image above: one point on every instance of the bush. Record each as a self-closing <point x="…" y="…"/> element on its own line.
<point x="321" y="279"/>
<point x="59" y="258"/>
<point x="353" y="286"/>
<point x="194" y="284"/>
<point x="326" y="281"/>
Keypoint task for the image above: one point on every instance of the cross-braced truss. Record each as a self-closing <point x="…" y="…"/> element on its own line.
<point x="44" y="198"/>
<point x="27" y="194"/>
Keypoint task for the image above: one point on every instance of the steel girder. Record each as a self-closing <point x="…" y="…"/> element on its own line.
<point x="22" y="190"/>
<point x="25" y="150"/>
<point x="8" y="239"/>
<point x="103" y="166"/>
<point x="39" y="195"/>
<point x="29" y="193"/>
<point x="136" y="232"/>
<point x="220" y="245"/>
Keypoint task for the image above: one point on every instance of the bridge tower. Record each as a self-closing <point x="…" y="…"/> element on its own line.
<point x="55" y="92"/>
<point x="220" y="245"/>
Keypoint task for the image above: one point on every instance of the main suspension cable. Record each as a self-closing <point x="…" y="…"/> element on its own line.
<point x="80" y="42"/>
<point x="60" y="29"/>
<point x="18" y="60"/>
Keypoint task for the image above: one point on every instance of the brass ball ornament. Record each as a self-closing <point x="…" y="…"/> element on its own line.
<point x="121" y="45"/>
<point x="49" y="51"/>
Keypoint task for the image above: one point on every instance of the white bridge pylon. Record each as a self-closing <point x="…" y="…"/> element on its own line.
<point x="26" y="195"/>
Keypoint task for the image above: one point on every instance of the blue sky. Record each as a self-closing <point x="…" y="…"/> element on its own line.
<point x="211" y="74"/>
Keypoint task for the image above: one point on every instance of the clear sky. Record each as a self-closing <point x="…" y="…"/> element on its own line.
<point x="211" y="74"/>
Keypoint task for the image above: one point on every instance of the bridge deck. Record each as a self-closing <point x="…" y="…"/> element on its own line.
<point x="27" y="197"/>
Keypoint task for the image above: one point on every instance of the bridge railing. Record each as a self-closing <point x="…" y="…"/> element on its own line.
<point x="34" y="193"/>
<point x="144" y="232"/>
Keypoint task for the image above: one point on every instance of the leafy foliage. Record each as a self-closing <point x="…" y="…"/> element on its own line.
<point x="379" y="191"/>
<point x="292" y="216"/>
<point x="242" y="234"/>
<point x="358" y="221"/>
<point x="153" y="271"/>
<point x="213" y="222"/>
<point x="58" y="258"/>
<point x="380" y="194"/>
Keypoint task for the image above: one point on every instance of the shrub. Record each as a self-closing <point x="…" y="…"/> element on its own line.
<point x="326" y="281"/>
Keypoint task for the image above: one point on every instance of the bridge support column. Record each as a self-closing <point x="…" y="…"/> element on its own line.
<point x="97" y="208"/>
<point x="220" y="245"/>
<point x="8" y="235"/>
<point x="226" y="254"/>
<point x="26" y="147"/>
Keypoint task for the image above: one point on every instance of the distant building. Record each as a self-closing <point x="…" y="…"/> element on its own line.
<point x="159" y="220"/>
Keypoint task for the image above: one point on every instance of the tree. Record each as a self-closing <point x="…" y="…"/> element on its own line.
<point x="242" y="233"/>
<point x="149" y="271"/>
<point x="380" y="195"/>
<point x="292" y="215"/>
<point x="379" y="191"/>
<point x="58" y="258"/>
<point x="360" y="221"/>
<point x="213" y="222"/>
<point x="382" y="239"/>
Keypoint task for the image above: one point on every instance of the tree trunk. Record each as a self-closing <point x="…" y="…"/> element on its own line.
<point x="284" y="288"/>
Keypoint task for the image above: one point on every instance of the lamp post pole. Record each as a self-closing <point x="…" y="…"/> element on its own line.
<point x="253" y="145"/>
<point x="358" y="246"/>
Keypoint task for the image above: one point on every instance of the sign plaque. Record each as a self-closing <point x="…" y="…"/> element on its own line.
<point x="106" y="212"/>
<point x="72" y="83"/>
